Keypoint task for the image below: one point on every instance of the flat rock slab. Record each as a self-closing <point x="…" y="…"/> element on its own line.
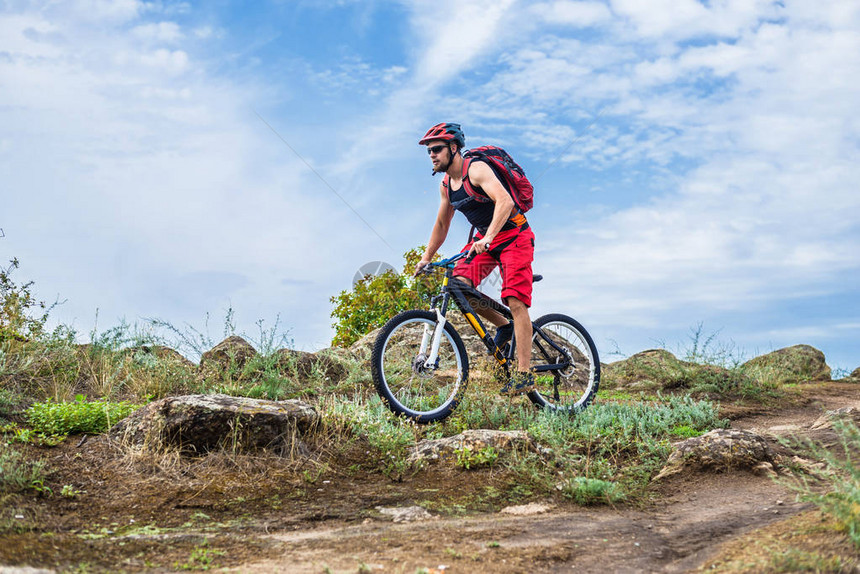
<point x="475" y="440"/>
<point x="527" y="509"/>
<point x="406" y="513"/>
<point x="199" y="423"/>
<point x="720" y="450"/>
<point x="825" y="421"/>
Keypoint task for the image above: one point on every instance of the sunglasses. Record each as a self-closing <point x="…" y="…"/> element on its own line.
<point x="435" y="149"/>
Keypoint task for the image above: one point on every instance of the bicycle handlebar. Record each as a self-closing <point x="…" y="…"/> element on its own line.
<point x="444" y="264"/>
<point x="451" y="260"/>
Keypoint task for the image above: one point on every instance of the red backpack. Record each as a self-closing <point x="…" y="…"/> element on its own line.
<point x="511" y="175"/>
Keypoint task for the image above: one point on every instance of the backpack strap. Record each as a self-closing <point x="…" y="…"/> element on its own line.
<point x="467" y="185"/>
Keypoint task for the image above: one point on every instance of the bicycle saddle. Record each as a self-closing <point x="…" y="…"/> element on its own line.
<point x="536" y="278"/>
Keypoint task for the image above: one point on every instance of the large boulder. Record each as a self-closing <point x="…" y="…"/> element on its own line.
<point x="658" y="369"/>
<point x="651" y="369"/>
<point x="475" y="441"/>
<point x="363" y="348"/>
<point x="328" y="364"/>
<point x="720" y="450"/>
<point x="159" y="354"/>
<point x="199" y="423"/>
<point x="797" y="364"/>
<point x="227" y="358"/>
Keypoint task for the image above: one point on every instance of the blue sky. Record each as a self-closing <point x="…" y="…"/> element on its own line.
<point x="694" y="162"/>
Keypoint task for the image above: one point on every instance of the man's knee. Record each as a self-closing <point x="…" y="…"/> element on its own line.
<point x="514" y="304"/>
<point x="464" y="280"/>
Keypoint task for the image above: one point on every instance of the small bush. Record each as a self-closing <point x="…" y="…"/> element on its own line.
<point x="22" y="316"/>
<point x="80" y="416"/>
<point x="374" y="300"/>
<point x="469" y="459"/>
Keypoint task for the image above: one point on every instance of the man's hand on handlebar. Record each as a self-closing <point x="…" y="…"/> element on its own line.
<point x="421" y="267"/>
<point x="480" y="246"/>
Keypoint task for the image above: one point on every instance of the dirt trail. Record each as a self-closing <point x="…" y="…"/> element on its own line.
<point x="695" y="516"/>
<point x="684" y="531"/>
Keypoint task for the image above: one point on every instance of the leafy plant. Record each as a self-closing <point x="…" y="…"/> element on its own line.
<point x="81" y="416"/>
<point x="374" y="300"/>
<point x="69" y="491"/>
<point x="468" y="459"/>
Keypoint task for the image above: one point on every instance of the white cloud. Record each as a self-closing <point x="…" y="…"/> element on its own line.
<point x="577" y="14"/>
<point x="167" y="32"/>
<point x="173" y="62"/>
<point x="681" y="19"/>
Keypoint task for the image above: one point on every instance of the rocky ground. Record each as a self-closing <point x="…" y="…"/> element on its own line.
<point x="723" y="501"/>
<point x="264" y="515"/>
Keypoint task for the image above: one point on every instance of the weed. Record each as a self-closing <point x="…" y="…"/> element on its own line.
<point x="202" y="558"/>
<point x="797" y="560"/>
<point x="591" y="490"/>
<point x="841" y="472"/>
<point x="70" y="491"/>
<point x="18" y="473"/>
<point x="389" y="436"/>
<point x="686" y="431"/>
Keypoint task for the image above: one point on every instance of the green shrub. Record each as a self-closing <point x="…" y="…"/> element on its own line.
<point x="80" y="416"/>
<point x="22" y="316"/>
<point x="469" y="459"/>
<point x="374" y="300"/>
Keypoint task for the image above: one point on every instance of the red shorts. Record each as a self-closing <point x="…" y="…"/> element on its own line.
<point x="515" y="262"/>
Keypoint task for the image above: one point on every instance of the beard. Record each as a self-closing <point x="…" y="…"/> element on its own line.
<point x="443" y="163"/>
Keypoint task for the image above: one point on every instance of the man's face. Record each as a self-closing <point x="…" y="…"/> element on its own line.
<point x="440" y="155"/>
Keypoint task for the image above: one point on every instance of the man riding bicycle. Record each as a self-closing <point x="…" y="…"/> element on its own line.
<point x="503" y="239"/>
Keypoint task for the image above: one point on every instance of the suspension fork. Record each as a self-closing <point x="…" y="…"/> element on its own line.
<point x="436" y="341"/>
<point x="431" y="339"/>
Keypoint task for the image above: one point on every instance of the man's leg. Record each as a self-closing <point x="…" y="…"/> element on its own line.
<point x="522" y="332"/>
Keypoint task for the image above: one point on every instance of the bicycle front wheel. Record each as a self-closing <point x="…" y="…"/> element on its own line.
<point x="409" y="384"/>
<point x="565" y="364"/>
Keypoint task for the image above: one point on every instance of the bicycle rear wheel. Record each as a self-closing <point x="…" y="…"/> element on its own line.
<point x="408" y="385"/>
<point x="565" y="364"/>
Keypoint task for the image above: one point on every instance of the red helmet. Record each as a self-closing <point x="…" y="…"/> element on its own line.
<point x="445" y="132"/>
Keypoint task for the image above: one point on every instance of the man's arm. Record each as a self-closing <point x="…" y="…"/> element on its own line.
<point x="440" y="229"/>
<point x="481" y="175"/>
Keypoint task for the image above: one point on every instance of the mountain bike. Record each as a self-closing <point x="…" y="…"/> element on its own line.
<point x="420" y="366"/>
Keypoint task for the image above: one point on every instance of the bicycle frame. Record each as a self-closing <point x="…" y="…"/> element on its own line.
<point x="460" y="292"/>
